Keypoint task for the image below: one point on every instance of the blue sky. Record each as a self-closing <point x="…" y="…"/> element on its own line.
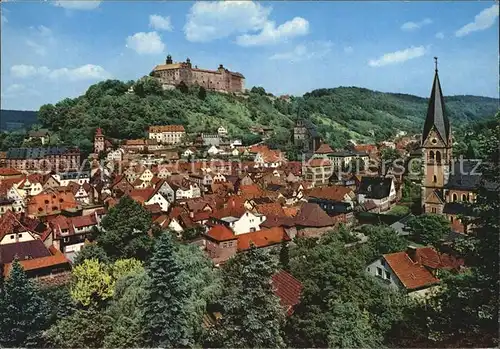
<point x="53" y="50"/>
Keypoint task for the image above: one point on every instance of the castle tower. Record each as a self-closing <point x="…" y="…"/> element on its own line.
<point x="169" y="60"/>
<point x="436" y="150"/>
<point x="98" y="141"/>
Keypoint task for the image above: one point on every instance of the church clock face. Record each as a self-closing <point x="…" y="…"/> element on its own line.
<point x="434" y="141"/>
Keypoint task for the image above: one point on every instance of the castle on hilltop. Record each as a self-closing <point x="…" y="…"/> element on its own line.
<point x="172" y="74"/>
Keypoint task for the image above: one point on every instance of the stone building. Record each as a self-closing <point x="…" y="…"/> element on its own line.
<point x="306" y="136"/>
<point x="170" y="134"/>
<point x="43" y="159"/>
<point x="172" y="74"/>
<point x="448" y="184"/>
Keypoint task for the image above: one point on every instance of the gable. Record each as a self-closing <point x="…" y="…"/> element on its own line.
<point x="434" y="198"/>
<point x="434" y="135"/>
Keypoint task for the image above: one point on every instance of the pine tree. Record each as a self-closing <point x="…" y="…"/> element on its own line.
<point x="24" y="314"/>
<point x="165" y="314"/>
<point x="284" y="256"/>
<point x="252" y="315"/>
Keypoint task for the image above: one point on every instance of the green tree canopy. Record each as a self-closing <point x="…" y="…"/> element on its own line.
<point x="429" y="229"/>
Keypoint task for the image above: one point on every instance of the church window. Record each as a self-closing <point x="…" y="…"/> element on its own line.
<point x="455" y="197"/>
<point x="433" y="210"/>
<point x="438" y="157"/>
<point x="464" y="197"/>
<point x="431" y="155"/>
<point x="434" y="179"/>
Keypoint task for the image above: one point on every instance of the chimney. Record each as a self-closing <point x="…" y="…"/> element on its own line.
<point x="411" y="251"/>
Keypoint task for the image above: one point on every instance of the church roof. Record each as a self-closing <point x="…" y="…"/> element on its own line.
<point x="436" y="113"/>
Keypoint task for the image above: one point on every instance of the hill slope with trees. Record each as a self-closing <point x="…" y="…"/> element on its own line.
<point x="340" y="113"/>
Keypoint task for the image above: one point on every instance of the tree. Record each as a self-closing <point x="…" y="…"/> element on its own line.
<point x="165" y="314"/>
<point x="252" y="315"/>
<point x="429" y="229"/>
<point x="92" y="284"/>
<point x="125" y="230"/>
<point x="91" y="251"/>
<point x="24" y="314"/>
<point x="258" y="90"/>
<point x="183" y="87"/>
<point x="388" y="156"/>
<point x="382" y="240"/>
<point x="284" y="256"/>
<point x="124" y="267"/>
<point x="126" y="312"/>
<point x="146" y="86"/>
<point x="465" y="313"/>
<point x="85" y="328"/>
<point x="202" y="93"/>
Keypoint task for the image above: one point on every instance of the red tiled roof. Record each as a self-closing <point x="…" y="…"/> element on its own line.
<point x="51" y="201"/>
<point x="220" y="232"/>
<point x="252" y="190"/>
<point x="270" y="209"/>
<point x="312" y="215"/>
<point x="9" y="223"/>
<point x="288" y="289"/>
<point x="167" y="128"/>
<point x="412" y="275"/>
<point x="333" y="192"/>
<point x="9" y="171"/>
<point x="56" y="259"/>
<point x="324" y="149"/>
<point x="262" y="238"/>
<point x="142" y="195"/>
<point x="154" y="208"/>
<point x="318" y="163"/>
<point x="435" y="260"/>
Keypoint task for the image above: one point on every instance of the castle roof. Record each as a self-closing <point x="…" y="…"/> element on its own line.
<point x="436" y="114"/>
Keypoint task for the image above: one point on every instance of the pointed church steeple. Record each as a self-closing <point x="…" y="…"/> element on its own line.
<point x="436" y="113"/>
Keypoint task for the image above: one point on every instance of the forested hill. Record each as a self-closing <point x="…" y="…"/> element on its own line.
<point x="340" y="113"/>
<point x="16" y="119"/>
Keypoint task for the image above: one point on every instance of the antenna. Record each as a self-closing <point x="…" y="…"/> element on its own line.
<point x="436" y="63"/>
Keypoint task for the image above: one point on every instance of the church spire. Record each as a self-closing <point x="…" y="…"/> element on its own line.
<point x="436" y="113"/>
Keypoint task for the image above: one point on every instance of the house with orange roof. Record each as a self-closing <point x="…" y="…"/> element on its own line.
<point x="38" y="262"/>
<point x="169" y="134"/>
<point x="414" y="271"/>
<point x="12" y="230"/>
<point x="317" y="170"/>
<point x="150" y="196"/>
<point x="52" y="202"/>
<point x="9" y="172"/>
<point x="268" y="158"/>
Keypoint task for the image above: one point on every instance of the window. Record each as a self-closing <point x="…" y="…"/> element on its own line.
<point x="252" y="230"/>
<point x="464" y="197"/>
<point x="434" y="179"/>
<point x="19" y="235"/>
<point x="434" y="210"/>
<point x="379" y="271"/>
<point x="387" y="275"/>
<point x="66" y="239"/>
<point x="12" y="237"/>
<point x="431" y="155"/>
<point x="451" y="219"/>
<point x="455" y="197"/>
<point x="438" y="157"/>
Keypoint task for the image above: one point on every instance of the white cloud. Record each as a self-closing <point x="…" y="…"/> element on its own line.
<point x="39" y="49"/>
<point x="440" y="35"/>
<point x="211" y="20"/>
<point x="311" y="50"/>
<point x="409" y="26"/>
<point x="84" y="72"/>
<point x="271" y="34"/>
<point x="207" y="21"/>
<point x="145" y="43"/>
<point x="484" y="20"/>
<point x="78" y="5"/>
<point x="158" y="22"/>
<point x="348" y="49"/>
<point x="398" y="56"/>
<point x="17" y="90"/>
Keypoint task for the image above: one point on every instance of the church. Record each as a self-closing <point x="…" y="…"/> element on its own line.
<point x="448" y="184"/>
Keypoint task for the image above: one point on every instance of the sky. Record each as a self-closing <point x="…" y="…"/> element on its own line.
<point x="53" y="50"/>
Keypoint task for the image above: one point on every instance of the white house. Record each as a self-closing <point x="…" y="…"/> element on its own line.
<point x="146" y="175"/>
<point x="14" y="231"/>
<point x="187" y="153"/>
<point x="166" y="190"/>
<point x="380" y="190"/>
<point x="219" y="178"/>
<point x="236" y="143"/>
<point x="248" y="222"/>
<point x="18" y="204"/>
<point x="213" y="150"/>
<point x="159" y="199"/>
<point x="190" y="191"/>
<point x="78" y="177"/>
<point x="222" y="131"/>
<point x="115" y="155"/>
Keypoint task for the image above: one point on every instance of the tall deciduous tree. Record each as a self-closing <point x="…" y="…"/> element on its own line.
<point x="125" y="231"/>
<point x="252" y="315"/>
<point x="24" y="314"/>
<point x="429" y="228"/>
<point x="166" y="316"/>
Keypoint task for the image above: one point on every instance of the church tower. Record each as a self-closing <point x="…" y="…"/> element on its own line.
<point x="98" y="141"/>
<point x="436" y="150"/>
